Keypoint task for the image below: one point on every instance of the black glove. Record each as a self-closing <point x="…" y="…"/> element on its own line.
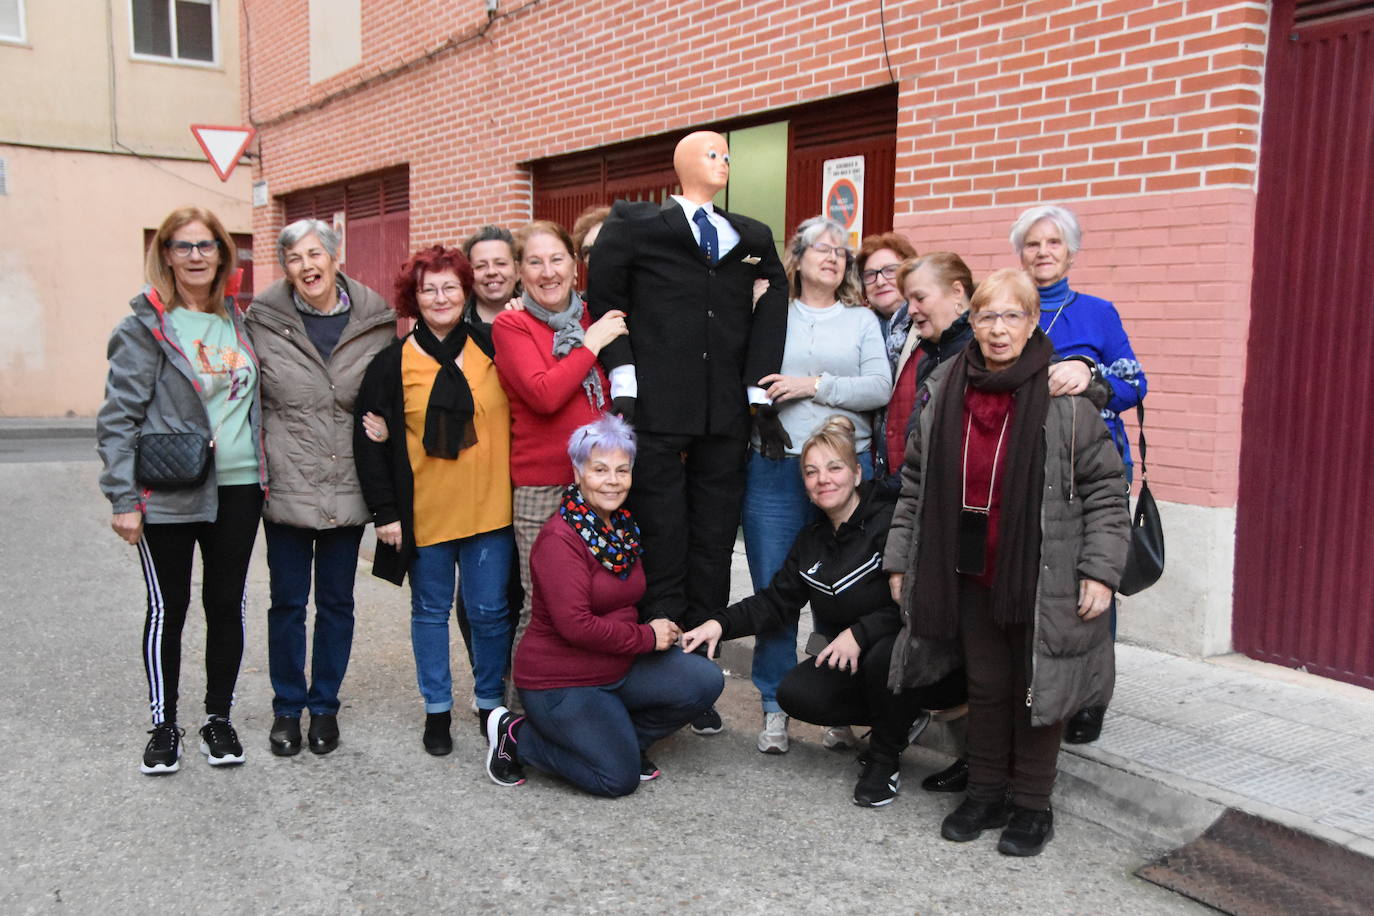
<point x="624" y="407"/>
<point x="773" y="439"/>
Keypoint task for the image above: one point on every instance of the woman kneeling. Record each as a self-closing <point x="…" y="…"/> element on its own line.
<point x="597" y="685"/>
<point x="835" y="565"/>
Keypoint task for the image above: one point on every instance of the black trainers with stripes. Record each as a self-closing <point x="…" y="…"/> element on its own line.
<point x="220" y="743"/>
<point x="878" y="783"/>
<point x="163" y="753"/>
<point x="502" y="764"/>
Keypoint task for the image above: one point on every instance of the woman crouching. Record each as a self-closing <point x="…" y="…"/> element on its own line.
<point x="1011" y="534"/>
<point x="598" y="687"/>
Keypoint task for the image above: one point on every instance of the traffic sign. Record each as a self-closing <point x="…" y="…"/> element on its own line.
<point x="223" y="146"/>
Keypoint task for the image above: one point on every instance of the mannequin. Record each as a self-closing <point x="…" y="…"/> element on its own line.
<point x="687" y="374"/>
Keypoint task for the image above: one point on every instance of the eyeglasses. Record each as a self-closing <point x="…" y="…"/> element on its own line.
<point x="207" y="248"/>
<point x="825" y="251"/>
<point x="451" y="292"/>
<point x="888" y="273"/>
<point x="1013" y="320"/>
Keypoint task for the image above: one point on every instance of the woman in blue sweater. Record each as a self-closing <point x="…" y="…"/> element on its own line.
<point x="1047" y="238"/>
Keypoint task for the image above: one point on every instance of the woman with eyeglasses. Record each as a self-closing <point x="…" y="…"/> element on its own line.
<point x="834" y="362"/>
<point x="1091" y="345"/>
<point x="182" y="364"/>
<point x="439" y="486"/>
<point x="546" y="358"/>
<point x="1008" y="539"/>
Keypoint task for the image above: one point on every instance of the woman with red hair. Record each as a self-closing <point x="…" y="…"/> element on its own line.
<point x="438" y="487"/>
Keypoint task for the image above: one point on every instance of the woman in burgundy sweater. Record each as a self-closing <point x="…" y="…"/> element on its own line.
<point x="546" y="360"/>
<point x="597" y="686"/>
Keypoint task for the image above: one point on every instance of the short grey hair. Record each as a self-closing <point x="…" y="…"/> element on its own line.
<point x="298" y="230"/>
<point x="1061" y="216"/>
<point x="608" y="432"/>
<point x="849" y="291"/>
<point x="490" y="233"/>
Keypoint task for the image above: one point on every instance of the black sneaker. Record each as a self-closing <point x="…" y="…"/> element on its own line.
<point x="878" y="783"/>
<point x="708" y="723"/>
<point x="220" y="743"/>
<point x="163" y="753"/>
<point x="1027" y="832"/>
<point x="647" y="771"/>
<point x="968" y="821"/>
<point x="953" y="778"/>
<point x="502" y="765"/>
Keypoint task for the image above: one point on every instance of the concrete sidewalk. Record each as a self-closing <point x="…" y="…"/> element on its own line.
<point x="47" y="427"/>
<point x="1186" y="738"/>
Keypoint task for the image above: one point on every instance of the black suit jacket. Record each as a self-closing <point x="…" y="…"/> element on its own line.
<point x="696" y="338"/>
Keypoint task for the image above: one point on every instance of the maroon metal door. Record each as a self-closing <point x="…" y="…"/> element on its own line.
<point x="1304" y="580"/>
<point x="863" y="126"/>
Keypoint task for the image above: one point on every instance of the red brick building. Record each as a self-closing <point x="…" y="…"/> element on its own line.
<point x="418" y="121"/>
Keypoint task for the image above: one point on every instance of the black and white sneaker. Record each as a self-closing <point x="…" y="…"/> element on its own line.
<point x="502" y="765"/>
<point x="708" y="723"/>
<point x="878" y="783"/>
<point x="220" y="743"/>
<point x="648" y="772"/>
<point x="163" y="753"/>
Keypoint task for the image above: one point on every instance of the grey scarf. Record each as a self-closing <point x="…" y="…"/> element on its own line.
<point x="567" y="336"/>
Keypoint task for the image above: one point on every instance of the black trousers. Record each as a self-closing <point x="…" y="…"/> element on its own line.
<point x="824" y="696"/>
<point x="167" y="551"/>
<point x="686" y="497"/>
<point x="1004" y="749"/>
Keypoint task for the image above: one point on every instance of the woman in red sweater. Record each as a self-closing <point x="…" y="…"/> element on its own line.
<point x="546" y="360"/>
<point x="597" y="685"/>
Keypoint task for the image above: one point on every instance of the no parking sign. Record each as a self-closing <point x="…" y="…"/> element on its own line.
<point x="842" y="197"/>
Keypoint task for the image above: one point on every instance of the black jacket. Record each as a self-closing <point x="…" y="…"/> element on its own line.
<point x="696" y="338"/>
<point x="840" y="571"/>
<point x="384" y="467"/>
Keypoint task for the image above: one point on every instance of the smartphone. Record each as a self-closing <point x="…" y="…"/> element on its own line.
<point x="816" y="643"/>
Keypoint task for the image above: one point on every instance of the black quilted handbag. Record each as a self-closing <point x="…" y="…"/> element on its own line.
<point x="1145" y="559"/>
<point x="172" y="461"/>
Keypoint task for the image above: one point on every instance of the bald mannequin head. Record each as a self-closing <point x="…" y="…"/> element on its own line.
<point x="702" y="163"/>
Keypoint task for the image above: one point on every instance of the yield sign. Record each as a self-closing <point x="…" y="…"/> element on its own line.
<point x="223" y="146"/>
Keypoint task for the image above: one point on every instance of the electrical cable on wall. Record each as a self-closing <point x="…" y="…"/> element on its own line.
<point x="882" y="27"/>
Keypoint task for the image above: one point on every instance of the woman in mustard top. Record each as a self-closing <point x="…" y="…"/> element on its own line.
<point x="440" y="494"/>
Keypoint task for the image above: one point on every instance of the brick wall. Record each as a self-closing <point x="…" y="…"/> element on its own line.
<point x="1143" y="116"/>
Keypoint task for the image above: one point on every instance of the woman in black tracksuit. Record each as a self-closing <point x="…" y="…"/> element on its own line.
<point x="836" y="565"/>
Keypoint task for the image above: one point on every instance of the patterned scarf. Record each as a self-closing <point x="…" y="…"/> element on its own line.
<point x="615" y="547"/>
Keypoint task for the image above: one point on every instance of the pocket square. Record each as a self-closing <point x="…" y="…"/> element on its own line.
<point x="751" y="259"/>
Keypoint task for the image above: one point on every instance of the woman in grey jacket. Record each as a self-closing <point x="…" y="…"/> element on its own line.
<point x="181" y="363"/>
<point x="1009" y="538"/>
<point x="315" y="332"/>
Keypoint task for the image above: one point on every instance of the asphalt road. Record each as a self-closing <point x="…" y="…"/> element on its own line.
<point x="380" y="826"/>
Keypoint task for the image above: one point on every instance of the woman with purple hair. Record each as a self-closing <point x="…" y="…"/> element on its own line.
<point x="598" y="686"/>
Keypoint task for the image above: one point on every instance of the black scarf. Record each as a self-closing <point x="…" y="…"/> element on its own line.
<point x="448" y="416"/>
<point x="1018" y="546"/>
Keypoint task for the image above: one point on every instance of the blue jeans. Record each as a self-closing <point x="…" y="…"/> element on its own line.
<point x="594" y="736"/>
<point x="776" y="509"/>
<point x="483" y="562"/>
<point x="291" y="552"/>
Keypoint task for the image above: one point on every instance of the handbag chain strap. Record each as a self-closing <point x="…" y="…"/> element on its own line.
<point x="1140" y="433"/>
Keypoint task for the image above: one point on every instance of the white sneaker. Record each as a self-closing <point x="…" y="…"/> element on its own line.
<point x="773" y="738"/>
<point x="839" y="738"/>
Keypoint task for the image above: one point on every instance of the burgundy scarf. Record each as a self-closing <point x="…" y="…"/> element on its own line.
<point x="1023" y="478"/>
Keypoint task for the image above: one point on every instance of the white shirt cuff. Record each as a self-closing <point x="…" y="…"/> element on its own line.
<point x="624" y="383"/>
<point x="756" y="395"/>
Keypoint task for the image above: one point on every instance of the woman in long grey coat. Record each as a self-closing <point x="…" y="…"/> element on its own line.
<point x="315" y="332"/>
<point x="1008" y="540"/>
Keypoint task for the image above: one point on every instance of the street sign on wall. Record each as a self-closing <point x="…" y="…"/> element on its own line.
<point x="842" y="196"/>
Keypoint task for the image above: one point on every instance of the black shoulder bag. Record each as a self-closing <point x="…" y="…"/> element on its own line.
<point x="1145" y="559"/>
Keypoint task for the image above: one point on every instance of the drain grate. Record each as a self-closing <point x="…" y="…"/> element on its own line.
<point x="1249" y="866"/>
